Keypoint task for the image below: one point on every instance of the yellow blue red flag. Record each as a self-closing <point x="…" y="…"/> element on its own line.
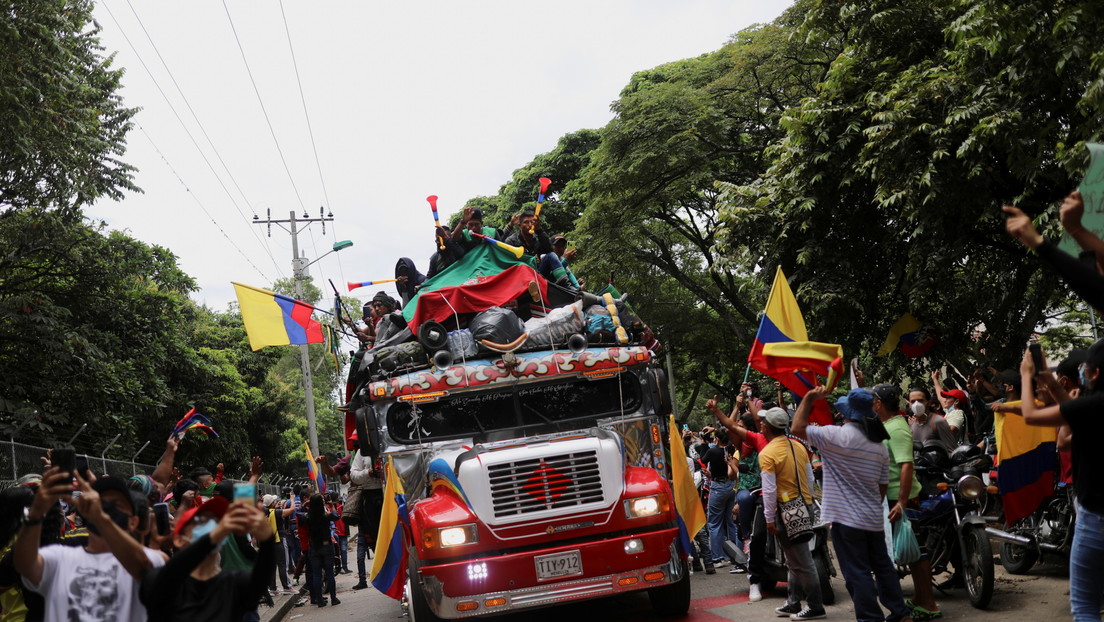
<point x="782" y="349"/>
<point x="273" y="319"/>
<point x="910" y="336"/>
<point x="389" y="564"/>
<point x="691" y="517"/>
<point x="1027" y="459"/>
<point x="312" y="470"/>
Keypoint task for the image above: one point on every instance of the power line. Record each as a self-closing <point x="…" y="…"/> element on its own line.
<point x="263" y="110"/>
<point x="201" y="206"/>
<point x="303" y="98"/>
<point x="189" y="133"/>
<point x="189" y="106"/>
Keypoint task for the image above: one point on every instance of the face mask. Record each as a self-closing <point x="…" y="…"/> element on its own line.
<point x="918" y="409"/>
<point x="748" y="392"/>
<point x="1083" y="376"/>
<point x="116" y="515"/>
<point x="205" y="529"/>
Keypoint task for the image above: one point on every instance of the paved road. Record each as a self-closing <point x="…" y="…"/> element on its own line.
<point x="1041" y="596"/>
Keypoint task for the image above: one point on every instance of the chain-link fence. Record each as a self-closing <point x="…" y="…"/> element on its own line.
<point x="17" y="460"/>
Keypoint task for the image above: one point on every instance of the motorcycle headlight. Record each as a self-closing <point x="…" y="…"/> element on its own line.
<point x="642" y="507"/>
<point x="970" y="486"/>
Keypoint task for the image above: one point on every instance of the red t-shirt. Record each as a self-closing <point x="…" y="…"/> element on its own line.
<point x="339" y="525"/>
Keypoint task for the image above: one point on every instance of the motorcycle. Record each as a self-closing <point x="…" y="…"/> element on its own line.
<point x="1048" y="530"/>
<point x="949" y="524"/>
<point x="774" y="569"/>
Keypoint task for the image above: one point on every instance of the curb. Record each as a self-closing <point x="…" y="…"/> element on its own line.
<point x="281" y="606"/>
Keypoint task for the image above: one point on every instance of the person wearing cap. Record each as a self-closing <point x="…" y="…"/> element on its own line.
<point x="274" y="517"/>
<point x="856" y="477"/>
<point x="954" y="402"/>
<point x="787" y="473"/>
<point x="903" y="491"/>
<point x="192" y="586"/>
<point x="561" y="274"/>
<point x="89" y="583"/>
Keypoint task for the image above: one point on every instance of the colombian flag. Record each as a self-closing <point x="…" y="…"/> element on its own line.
<point x="312" y="470"/>
<point x="688" y="506"/>
<point x="389" y="564"/>
<point x="912" y="337"/>
<point x="1028" y="459"/>
<point x="272" y="319"/>
<point x="782" y="349"/>
<point x="194" y="421"/>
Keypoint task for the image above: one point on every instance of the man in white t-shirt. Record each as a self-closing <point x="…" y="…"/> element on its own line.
<point x="88" y="584"/>
<point x="856" y="474"/>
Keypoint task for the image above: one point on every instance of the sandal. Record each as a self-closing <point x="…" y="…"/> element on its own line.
<point x="919" y="614"/>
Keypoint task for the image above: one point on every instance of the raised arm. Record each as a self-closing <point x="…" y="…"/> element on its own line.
<point x="1048" y="415"/>
<point x="56" y="484"/>
<point x="1073" y="208"/>
<point x="729" y="422"/>
<point x="163" y="473"/>
<point x="129" y="551"/>
<point x="801" y="417"/>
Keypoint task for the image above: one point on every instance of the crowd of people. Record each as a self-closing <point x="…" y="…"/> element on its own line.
<point x="163" y="546"/>
<point x="764" y="453"/>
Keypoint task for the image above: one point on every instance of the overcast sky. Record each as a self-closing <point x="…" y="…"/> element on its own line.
<point x="405" y="99"/>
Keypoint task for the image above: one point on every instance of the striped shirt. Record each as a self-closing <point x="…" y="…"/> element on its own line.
<point x="853" y="468"/>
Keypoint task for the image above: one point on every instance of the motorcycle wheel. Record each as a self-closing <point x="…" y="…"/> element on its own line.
<point x="978" y="566"/>
<point x="674" y="599"/>
<point x="1017" y="559"/>
<point x="824" y="574"/>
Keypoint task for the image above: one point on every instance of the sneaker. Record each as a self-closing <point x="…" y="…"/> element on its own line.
<point x="788" y="610"/>
<point x="809" y="613"/>
<point x="720" y="563"/>
<point x="709" y="569"/>
<point x="334" y="601"/>
<point x="737" y="569"/>
<point x="754" y="595"/>
<point x="287" y="591"/>
<point x="360" y="586"/>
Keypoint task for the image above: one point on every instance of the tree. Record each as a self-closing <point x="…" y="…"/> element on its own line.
<point x="883" y="194"/>
<point x="64" y="125"/>
<point x="651" y="216"/>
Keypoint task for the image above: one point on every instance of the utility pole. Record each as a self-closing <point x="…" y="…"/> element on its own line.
<point x="299" y="269"/>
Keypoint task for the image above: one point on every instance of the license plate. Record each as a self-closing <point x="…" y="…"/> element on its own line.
<point x="559" y="565"/>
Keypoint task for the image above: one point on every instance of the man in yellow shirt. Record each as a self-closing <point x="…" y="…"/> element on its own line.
<point x="782" y="462"/>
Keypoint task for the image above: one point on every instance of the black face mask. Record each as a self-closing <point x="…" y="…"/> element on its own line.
<point x="117" y="516"/>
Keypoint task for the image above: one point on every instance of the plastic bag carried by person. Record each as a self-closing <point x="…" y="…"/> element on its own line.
<point x="906" y="550"/>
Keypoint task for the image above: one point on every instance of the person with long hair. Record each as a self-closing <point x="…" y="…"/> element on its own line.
<point x="320" y="519"/>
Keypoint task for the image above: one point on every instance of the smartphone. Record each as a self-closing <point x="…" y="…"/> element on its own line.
<point x="65" y="458"/>
<point x="245" y="492"/>
<point x="1036" y="357"/>
<point x="161" y="518"/>
<point x="82" y="467"/>
<point x="685" y="426"/>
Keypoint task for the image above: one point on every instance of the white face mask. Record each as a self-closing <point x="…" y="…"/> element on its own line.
<point x="919" y="409"/>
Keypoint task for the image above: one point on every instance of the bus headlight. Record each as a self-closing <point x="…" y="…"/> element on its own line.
<point x="447" y="537"/>
<point x="642" y="507"/>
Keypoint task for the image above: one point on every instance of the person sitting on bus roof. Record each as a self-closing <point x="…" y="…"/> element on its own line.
<point x="471" y="221"/>
<point x="444" y="257"/>
<point x="531" y="236"/>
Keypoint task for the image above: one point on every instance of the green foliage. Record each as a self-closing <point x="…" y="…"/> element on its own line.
<point x="64" y="123"/>
<point x="883" y="194"/>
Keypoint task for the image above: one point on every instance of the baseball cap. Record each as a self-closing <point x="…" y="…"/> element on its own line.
<point x="118" y="484"/>
<point x="957" y="394"/>
<point x="776" y="418"/>
<point x="556" y="239"/>
<point x="216" y="507"/>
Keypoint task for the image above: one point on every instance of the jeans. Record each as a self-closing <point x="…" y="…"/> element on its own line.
<point x="747" y="503"/>
<point x="721" y="525"/>
<point x="860" y="553"/>
<point x="1086" y="572"/>
<point x="801" y="576"/>
<point x="362" y="551"/>
<point x="321" y="563"/>
<point x="705" y="553"/>
<point x="343" y="551"/>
